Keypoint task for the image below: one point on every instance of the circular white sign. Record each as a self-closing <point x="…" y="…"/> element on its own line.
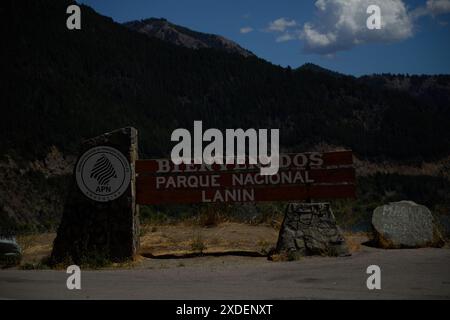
<point x="103" y="173"/>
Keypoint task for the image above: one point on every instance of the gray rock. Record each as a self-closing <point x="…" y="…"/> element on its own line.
<point x="404" y="224"/>
<point x="96" y="232"/>
<point x="310" y="229"/>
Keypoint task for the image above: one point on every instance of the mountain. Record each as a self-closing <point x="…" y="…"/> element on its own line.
<point x="181" y="36"/>
<point x="316" y="68"/>
<point x="61" y="86"/>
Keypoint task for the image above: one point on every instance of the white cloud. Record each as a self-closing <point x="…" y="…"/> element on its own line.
<point x="245" y="30"/>
<point x="281" y="24"/>
<point x="432" y="8"/>
<point x="437" y="7"/>
<point x="286" y="37"/>
<point x="341" y="25"/>
<point x="317" y="39"/>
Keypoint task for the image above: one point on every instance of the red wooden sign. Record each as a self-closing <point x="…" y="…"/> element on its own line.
<point x="301" y="176"/>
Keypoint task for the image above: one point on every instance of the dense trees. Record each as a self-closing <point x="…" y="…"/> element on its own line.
<point x="61" y="86"/>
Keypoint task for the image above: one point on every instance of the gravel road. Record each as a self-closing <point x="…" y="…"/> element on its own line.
<point x="405" y="274"/>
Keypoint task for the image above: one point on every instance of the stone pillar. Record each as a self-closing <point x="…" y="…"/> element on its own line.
<point x="93" y="231"/>
<point x="310" y="229"/>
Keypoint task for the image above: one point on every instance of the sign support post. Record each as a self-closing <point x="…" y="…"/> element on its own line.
<point x="100" y="222"/>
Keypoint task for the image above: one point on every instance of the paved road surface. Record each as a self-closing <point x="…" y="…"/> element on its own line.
<point x="410" y="274"/>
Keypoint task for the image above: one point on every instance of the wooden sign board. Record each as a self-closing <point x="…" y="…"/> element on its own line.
<point x="301" y="176"/>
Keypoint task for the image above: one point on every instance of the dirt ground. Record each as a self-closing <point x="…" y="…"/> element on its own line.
<point x="165" y="246"/>
<point x="181" y="239"/>
<point x="166" y="269"/>
<point x="405" y="274"/>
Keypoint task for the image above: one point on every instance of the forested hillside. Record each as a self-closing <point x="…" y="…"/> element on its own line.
<point x="61" y="86"/>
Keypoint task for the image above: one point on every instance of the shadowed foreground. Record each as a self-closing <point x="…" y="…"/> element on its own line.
<point x="406" y="274"/>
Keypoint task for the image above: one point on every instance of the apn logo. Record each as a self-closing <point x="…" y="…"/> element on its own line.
<point x="103" y="171"/>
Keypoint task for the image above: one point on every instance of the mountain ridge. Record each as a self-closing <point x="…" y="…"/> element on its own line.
<point x="120" y="77"/>
<point x="167" y="31"/>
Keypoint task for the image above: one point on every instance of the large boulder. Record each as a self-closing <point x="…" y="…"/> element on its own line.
<point x="404" y="224"/>
<point x="310" y="229"/>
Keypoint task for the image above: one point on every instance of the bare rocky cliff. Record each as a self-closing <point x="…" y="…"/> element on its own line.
<point x="181" y="36"/>
<point x="33" y="192"/>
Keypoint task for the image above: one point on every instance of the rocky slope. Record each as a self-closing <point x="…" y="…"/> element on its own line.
<point x="181" y="36"/>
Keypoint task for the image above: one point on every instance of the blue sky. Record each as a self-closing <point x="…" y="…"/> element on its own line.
<point x="415" y="37"/>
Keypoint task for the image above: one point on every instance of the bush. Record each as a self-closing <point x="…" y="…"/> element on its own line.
<point x="197" y="244"/>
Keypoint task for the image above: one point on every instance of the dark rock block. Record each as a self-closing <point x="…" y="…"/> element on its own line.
<point x="92" y="231"/>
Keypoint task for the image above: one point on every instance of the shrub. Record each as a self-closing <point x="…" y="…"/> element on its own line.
<point x="197" y="244"/>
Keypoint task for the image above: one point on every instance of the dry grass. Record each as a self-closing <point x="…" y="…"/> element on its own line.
<point x="228" y="236"/>
<point x="185" y="238"/>
<point x="354" y="240"/>
<point x="35" y="247"/>
<point x="197" y="243"/>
